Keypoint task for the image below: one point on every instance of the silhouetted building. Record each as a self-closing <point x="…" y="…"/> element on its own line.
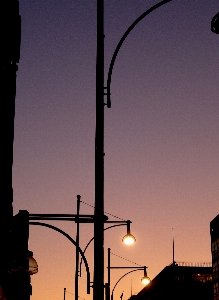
<point x="179" y="282"/>
<point x="214" y="230"/>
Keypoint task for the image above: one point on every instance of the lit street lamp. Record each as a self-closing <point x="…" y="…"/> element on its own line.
<point x="128" y="239"/>
<point x="145" y="279"/>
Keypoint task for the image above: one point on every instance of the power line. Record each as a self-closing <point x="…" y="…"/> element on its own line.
<point x="126" y="259"/>
<point x="104" y="211"/>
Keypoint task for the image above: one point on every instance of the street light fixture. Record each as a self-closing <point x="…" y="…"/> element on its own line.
<point x="78" y="219"/>
<point x="145" y="279"/>
<point x="128" y="239"/>
<point x="98" y="287"/>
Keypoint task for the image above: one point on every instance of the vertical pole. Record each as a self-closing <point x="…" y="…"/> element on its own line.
<point x="10" y="23"/>
<point x="64" y="292"/>
<point x="109" y="266"/>
<point x="77" y="246"/>
<point x="98" y="287"/>
<point x="131" y="287"/>
<point x="108" y="283"/>
<point x="173" y="248"/>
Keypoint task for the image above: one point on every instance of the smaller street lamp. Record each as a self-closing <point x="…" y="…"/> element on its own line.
<point x="145" y="279"/>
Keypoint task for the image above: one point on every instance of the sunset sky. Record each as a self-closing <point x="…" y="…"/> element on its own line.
<point x="161" y="135"/>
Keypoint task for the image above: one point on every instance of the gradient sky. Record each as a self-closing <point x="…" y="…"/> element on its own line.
<point x="161" y="134"/>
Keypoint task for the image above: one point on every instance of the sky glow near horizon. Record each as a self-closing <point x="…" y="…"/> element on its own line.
<point x="161" y="135"/>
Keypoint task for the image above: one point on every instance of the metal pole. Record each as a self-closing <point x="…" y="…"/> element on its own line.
<point x="77" y="247"/>
<point x="98" y="286"/>
<point x="109" y="266"/>
<point x="173" y="248"/>
<point x="10" y="23"/>
<point x="108" y="283"/>
<point x="64" y="292"/>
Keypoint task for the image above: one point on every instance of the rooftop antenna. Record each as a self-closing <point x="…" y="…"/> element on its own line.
<point x="131" y="287"/>
<point x="64" y="293"/>
<point x="173" y="247"/>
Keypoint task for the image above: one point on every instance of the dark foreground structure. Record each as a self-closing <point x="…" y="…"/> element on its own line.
<point x="179" y="282"/>
<point x="214" y="230"/>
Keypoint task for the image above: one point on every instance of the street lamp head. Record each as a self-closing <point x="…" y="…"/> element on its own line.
<point x="215" y="24"/>
<point x="145" y="279"/>
<point x="33" y="267"/>
<point x="128" y="239"/>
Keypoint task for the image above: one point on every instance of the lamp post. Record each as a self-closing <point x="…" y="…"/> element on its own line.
<point x="128" y="239"/>
<point x="99" y="141"/>
<point x="98" y="287"/>
<point x="10" y="56"/>
<point x="145" y="279"/>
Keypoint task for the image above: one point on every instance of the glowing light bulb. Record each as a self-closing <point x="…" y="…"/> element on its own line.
<point x="129" y="239"/>
<point x="145" y="280"/>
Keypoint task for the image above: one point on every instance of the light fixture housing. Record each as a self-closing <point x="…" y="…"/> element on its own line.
<point x="128" y="239"/>
<point x="33" y="266"/>
<point x="27" y="265"/>
<point x="145" y="279"/>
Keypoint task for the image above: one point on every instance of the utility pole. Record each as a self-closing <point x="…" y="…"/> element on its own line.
<point x="98" y="287"/>
<point x="10" y="22"/>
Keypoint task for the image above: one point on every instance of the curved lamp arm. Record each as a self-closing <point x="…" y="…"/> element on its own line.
<point x="73" y="242"/>
<point x="93" y="239"/>
<point x="147" y="12"/>
<point x="122" y="277"/>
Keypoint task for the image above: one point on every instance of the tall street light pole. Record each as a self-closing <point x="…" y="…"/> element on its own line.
<point x="98" y="286"/>
<point x="10" y="23"/>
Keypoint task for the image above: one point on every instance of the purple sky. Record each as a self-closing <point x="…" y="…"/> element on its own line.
<point x="161" y="134"/>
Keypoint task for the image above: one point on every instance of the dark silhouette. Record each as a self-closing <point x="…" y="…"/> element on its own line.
<point x="10" y="55"/>
<point x="215" y="24"/>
